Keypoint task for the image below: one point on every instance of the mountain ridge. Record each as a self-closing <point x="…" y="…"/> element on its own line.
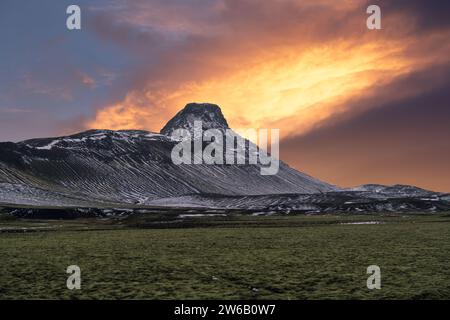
<point x="100" y="171"/>
<point x="130" y="167"/>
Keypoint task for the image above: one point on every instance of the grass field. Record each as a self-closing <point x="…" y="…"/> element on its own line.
<point x="242" y="257"/>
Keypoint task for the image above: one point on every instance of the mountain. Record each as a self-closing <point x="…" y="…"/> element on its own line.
<point x="210" y="115"/>
<point x="342" y="201"/>
<point x="106" y="172"/>
<point x="397" y="190"/>
<point x="104" y="168"/>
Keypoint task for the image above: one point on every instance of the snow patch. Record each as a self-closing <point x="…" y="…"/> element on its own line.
<point x="362" y="222"/>
<point x="49" y="146"/>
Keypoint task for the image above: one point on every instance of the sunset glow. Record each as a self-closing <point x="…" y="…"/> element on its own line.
<point x="309" y="68"/>
<point x="269" y="90"/>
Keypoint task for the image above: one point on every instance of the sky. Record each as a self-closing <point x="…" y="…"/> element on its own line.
<point x="353" y="105"/>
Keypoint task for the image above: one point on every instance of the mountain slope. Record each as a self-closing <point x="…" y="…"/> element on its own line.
<point x="101" y="167"/>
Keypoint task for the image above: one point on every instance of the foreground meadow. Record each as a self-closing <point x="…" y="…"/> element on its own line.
<point x="296" y="257"/>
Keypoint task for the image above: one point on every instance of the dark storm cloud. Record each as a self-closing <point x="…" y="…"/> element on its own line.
<point x="426" y="15"/>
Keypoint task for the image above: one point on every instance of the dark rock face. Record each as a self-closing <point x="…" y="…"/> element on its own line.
<point x="209" y="114"/>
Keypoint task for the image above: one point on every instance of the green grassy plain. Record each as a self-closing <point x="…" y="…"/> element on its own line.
<point x="241" y="257"/>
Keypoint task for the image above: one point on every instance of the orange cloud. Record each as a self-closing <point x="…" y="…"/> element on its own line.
<point x="265" y="73"/>
<point x="269" y="88"/>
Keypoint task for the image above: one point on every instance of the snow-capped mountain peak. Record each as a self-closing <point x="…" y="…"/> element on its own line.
<point x="132" y="167"/>
<point x="106" y="168"/>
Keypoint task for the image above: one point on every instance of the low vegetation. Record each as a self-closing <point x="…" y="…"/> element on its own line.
<point x="239" y="257"/>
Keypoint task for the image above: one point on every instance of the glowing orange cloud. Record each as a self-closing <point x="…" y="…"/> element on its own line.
<point x="283" y="84"/>
<point x="265" y="75"/>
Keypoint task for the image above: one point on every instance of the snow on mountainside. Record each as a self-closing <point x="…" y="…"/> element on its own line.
<point x="101" y="172"/>
<point x="102" y="167"/>
<point x="395" y="190"/>
<point x="330" y="202"/>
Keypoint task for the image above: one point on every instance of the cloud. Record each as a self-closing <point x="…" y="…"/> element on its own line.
<point x="14" y="110"/>
<point x="33" y="85"/>
<point x="425" y="16"/>
<point x="281" y="63"/>
<point x="399" y="134"/>
<point x="360" y="106"/>
<point x="86" y="80"/>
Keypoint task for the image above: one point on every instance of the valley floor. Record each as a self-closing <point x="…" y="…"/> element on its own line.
<point x="239" y="257"/>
